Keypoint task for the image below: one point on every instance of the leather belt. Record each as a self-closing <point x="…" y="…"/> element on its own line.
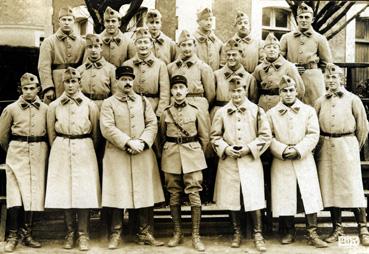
<point x="195" y="95"/>
<point x="29" y="139"/>
<point x="273" y="91"/>
<point x="182" y="140"/>
<point x="64" y="66"/>
<point x="308" y="66"/>
<point x="150" y="95"/>
<point x="220" y="103"/>
<point x="335" y="135"/>
<point x="96" y="97"/>
<point x="81" y="136"/>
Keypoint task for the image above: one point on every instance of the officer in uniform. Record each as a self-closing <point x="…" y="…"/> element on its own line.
<point x="208" y="45"/>
<point x="343" y="131"/>
<point x="185" y="136"/>
<point x="294" y="176"/>
<point x="23" y="137"/>
<point x="117" y="47"/>
<point x="269" y="73"/>
<point x="59" y="51"/>
<point x="310" y="51"/>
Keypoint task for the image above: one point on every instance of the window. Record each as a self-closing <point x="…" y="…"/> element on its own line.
<point x="276" y="20"/>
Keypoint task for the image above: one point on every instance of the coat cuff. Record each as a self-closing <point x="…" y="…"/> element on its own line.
<point x="278" y="149"/>
<point x="254" y="150"/>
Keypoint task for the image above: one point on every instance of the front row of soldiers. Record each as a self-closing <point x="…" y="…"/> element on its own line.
<point x="240" y="133"/>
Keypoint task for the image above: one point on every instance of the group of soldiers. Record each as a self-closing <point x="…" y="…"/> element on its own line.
<point x="122" y="104"/>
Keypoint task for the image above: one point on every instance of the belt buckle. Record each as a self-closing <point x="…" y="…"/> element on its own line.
<point x="179" y="140"/>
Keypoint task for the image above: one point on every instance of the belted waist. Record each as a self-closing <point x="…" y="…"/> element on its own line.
<point x="151" y="95"/>
<point x="80" y="136"/>
<point x="182" y="140"/>
<point x="29" y="139"/>
<point x="273" y="91"/>
<point x="308" y="66"/>
<point x="195" y="95"/>
<point x="336" y="135"/>
<point x="64" y="66"/>
<point x="96" y="97"/>
<point x="220" y="103"/>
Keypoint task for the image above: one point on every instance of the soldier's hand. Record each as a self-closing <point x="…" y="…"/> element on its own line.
<point x="136" y="145"/>
<point x="229" y="151"/>
<point x="245" y="150"/>
<point x="49" y="96"/>
<point x="290" y="153"/>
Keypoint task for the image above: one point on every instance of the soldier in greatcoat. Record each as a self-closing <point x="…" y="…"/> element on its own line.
<point x="130" y="172"/>
<point x="117" y="47"/>
<point x="309" y="51"/>
<point x="59" y="51"/>
<point x="294" y="176"/>
<point x="208" y="45"/>
<point x="269" y="73"/>
<point x="343" y="131"/>
<point x="240" y="133"/>
<point x="73" y="178"/>
<point x="184" y="138"/>
<point x="23" y="137"/>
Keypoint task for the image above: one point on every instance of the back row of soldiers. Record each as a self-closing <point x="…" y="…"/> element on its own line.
<point x="240" y="130"/>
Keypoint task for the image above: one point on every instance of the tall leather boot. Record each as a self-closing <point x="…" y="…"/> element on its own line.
<point x="236" y="241"/>
<point x="196" y="219"/>
<point x="12" y="240"/>
<point x="258" y="236"/>
<point x="336" y="217"/>
<point x="83" y="223"/>
<point x="145" y="235"/>
<point x="115" y="228"/>
<point x="313" y="237"/>
<point x="69" y="219"/>
<point x="26" y="231"/>
<point x="289" y="222"/>
<point x="360" y="215"/>
<point x="177" y="238"/>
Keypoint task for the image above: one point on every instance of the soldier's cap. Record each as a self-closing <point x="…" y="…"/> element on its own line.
<point x="271" y="39"/>
<point x="141" y="32"/>
<point x="236" y="82"/>
<point x="304" y="8"/>
<point x="92" y="39"/>
<point x="240" y="16"/>
<point x="333" y="69"/>
<point x="232" y="45"/>
<point x="153" y="14"/>
<point x="286" y="81"/>
<point x="185" y="36"/>
<point x="204" y="14"/>
<point x="65" y="11"/>
<point x="124" y="71"/>
<point x="111" y="13"/>
<point x="178" y="79"/>
<point x="70" y="73"/>
<point x="28" y="78"/>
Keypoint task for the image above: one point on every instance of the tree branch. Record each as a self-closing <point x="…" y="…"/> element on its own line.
<point x="336" y="19"/>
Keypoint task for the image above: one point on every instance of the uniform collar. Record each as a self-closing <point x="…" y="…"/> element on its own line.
<point x="247" y="39"/>
<point x="159" y="39"/>
<point x="228" y="73"/>
<point x="65" y="99"/>
<point x="148" y="60"/>
<point x="25" y="104"/>
<point x="181" y="105"/>
<point x="341" y="92"/>
<point x="97" y="64"/>
<point x="124" y="97"/>
<point x="276" y="64"/>
<point x="107" y="39"/>
<point x="203" y="37"/>
<point x="242" y="108"/>
<point x="189" y="62"/>
<point x="282" y="109"/>
<point x="61" y="36"/>
<point x="307" y="33"/>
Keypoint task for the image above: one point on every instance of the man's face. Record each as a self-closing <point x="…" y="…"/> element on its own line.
<point x="233" y="57"/>
<point x="272" y="51"/>
<point x="143" y="46"/>
<point x="304" y="21"/>
<point x="243" y="26"/>
<point x="205" y="24"/>
<point x="112" y="25"/>
<point x="125" y="84"/>
<point x="238" y="94"/>
<point x="187" y="48"/>
<point x="30" y="91"/>
<point x="154" y="26"/>
<point x="179" y="92"/>
<point x="66" y="23"/>
<point x="288" y="94"/>
<point x="93" y="51"/>
<point x="71" y="86"/>
<point x="332" y="81"/>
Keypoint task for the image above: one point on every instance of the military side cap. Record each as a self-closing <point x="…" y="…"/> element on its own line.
<point x="70" y="73"/>
<point x="93" y="39"/>
<point x="153" y="14"/>
<point x="28" y="78"/>
<point x="286" y="81"/>
<point x="65" y="11"/>
<point x="124" y="71"/>
<point x="241" y="16"/>
<point x="111" y="13"/>
<point x="185" y="36"/>
<point x="232" y="45"/>
<point x="178" y="79"/>
<point x="236" y="81"/>
<point x="304" y="8"/>
<point x="271" y="39"/>
<point x="204" y="14"/>
<point x="333" y="69"/>
<point x="142" y="32"/>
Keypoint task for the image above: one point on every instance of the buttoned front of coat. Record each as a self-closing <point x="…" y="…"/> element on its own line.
<point x="295" y="126"/>
<point x="26" y="162"/>
<point x="208" y="49"/>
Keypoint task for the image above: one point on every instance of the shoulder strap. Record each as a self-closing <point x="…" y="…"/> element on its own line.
<point x="178" y="125"/>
